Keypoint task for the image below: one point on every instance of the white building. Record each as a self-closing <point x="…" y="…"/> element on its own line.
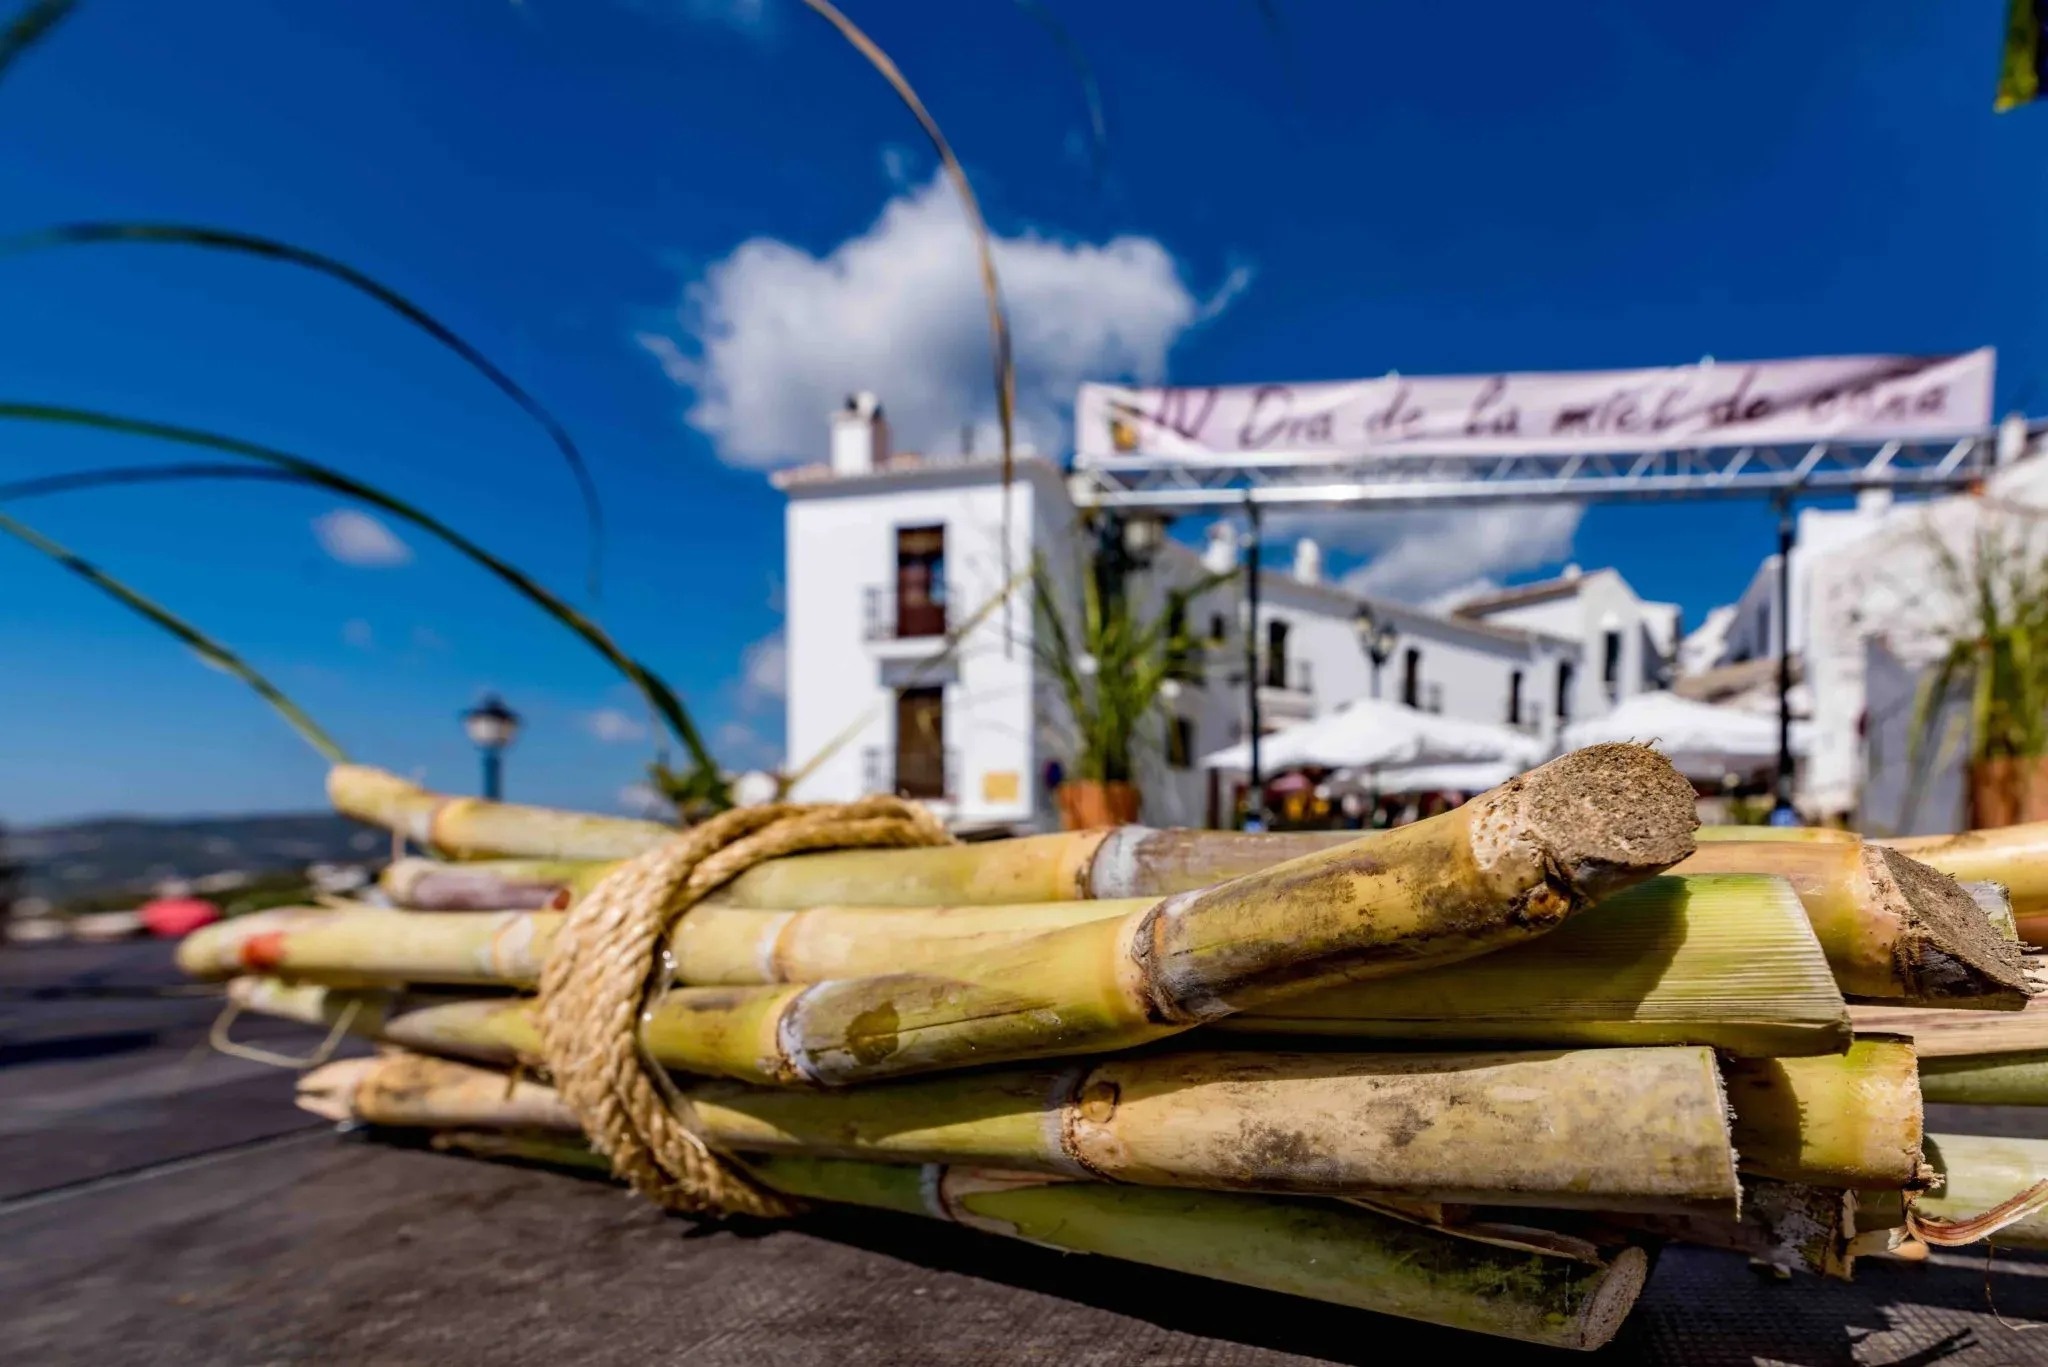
<point x="1865" y="580"/>
<point x="909" y="672"/>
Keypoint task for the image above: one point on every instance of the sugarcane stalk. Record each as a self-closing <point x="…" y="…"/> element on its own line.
<point x="1953" y="1034"/>
<point x="469" y="827"/>
<point x="2016" y="856"/>
<point x="1987" y="1079"/>
<point x="1727" y="960"/>
<point x="714" y="944"/>
<point x="1845" y="1120"/>
<point x="489" y="885"/>
<point x="1610" y="1129"/>
<point x="1511" y="864"/>
<point x="1720" y="959"/>
<point x="1318" y="1250"/>
<point x="418" y="1091"/>
<point x="1506" y="866"/>
<point x="1978" y="1173"/>
<point x="1893" y="929"/>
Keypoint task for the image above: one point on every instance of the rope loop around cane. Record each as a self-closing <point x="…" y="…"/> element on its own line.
<point x="605" y="969"/>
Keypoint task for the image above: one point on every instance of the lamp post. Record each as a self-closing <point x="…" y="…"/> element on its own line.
<point x="1376" y="638"/>
<point x="492" y="726"/>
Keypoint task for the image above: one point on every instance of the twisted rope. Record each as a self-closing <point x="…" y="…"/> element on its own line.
<point x="607" y="966"/>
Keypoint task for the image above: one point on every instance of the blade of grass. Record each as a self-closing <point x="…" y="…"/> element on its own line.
<point x="984" y="246"/>
<point x="140" y="474"/>
<point x="652" y="688"/>
<point x="250" y="244"/>
<point x="30" y="27"/>
<point x="208" y="649"/>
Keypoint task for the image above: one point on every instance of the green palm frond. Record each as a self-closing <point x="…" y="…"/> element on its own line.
<point x="1994" y="650"/>
<point x="208" y="649"/>
<point x="1111" y="665"/>
<point x="250" y="244"/>
<point x="657" y="693"/>
<point x="30" y="27"/>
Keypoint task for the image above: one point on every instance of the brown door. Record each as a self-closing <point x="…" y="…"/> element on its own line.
<point x="921" y="742"/>
<point x="920" y="581"/>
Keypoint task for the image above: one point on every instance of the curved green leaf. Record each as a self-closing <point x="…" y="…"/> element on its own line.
<point x="208" y="649"/>
<point x="250" y="244"/>
<point x="653" y="689"/>
<point x="141" y="474"/>
<point x="30" y="27"/>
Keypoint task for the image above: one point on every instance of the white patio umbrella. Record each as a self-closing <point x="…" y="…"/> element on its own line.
<point x="1368" y="733"/>
<point x="1703" y="740"/>
<point x="1471" y="776"/>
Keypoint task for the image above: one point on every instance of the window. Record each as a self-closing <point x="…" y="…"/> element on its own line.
<point x="1216" y="629"/>
<point x="1411" y="677"/>
<point x="1435" y="695"/>
<point x="1276" y="654"/>
<point x="920" y="581"/>
<point x="1515" y="698"/>
<point x="1183" y="656"/>
<point x="1564" y="690"/>
<point x="1610" y="664"/>
<point x="1180" y="743"/>
<point x="921" y="742"/>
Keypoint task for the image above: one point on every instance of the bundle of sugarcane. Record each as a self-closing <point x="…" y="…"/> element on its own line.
<point x="1153" y="1044"/>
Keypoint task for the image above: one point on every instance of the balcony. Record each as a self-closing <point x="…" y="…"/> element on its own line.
<point x="928" y="775"/>
<point x="1286" y="689"/>
<point x="887" y="616"/>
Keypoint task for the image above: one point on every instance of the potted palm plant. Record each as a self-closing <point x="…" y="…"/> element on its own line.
<point x="1995" y="657"/>
<point x="1111" y="666"/>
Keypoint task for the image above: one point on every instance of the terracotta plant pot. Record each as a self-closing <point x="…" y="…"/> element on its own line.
<point x="1086" y="804"/>
<point x="2005" y="792"/>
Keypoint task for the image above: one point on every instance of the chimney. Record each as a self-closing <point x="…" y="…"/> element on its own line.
<point x="1874" y="500"/>
<point x="1308" y="561"/>
<point x="860" y="436"/>
<point x="2012" y="439"/>
<point x="1220" y="555"/>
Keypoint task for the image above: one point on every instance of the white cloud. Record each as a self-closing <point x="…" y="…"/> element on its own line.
<point x="1419" y="555"/>
<point x="359" y="634"/>
<point x="612" y="726"/>
<point x="776" y="337"/>
<point x="764" y="670"/>
<point x="358" y="539"/>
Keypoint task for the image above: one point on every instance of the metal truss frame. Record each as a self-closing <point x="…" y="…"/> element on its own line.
<point x="1417" y="477"/>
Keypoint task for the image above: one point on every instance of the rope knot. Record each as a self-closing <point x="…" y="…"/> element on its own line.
<point x="606" y="968"/>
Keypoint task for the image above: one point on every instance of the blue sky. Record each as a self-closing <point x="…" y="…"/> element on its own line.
<point x="688" y="225"/>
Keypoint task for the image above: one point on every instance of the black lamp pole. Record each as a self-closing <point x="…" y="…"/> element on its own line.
<point x="1255" y="803"/>
<point x="1783" y="813"/>
<point x="492" y="726"/>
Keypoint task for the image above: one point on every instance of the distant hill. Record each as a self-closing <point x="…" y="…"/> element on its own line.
<point x="107" y="855"/>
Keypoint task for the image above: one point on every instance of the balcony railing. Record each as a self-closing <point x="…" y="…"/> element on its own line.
<point x="1289" y="676"/>
<point x="887" y="616"/>
<point x="920" y="773"/>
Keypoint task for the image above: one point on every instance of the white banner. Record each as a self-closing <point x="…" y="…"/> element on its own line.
<point x="1874" y="398"/>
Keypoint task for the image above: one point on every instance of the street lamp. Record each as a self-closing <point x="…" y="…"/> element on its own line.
<point x="492" y="726"/>
<point x="1376" y="638"/>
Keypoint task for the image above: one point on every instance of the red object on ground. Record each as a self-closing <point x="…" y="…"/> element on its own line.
<point x="171" y="916"/>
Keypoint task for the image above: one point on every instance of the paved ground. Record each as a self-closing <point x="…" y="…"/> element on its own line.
<point x="161" y="1208"/>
